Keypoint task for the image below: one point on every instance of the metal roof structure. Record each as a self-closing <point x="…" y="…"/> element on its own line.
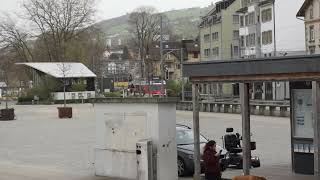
<point x="244" y="72"/>
<point x="62" y="70"/>
<point x="285" y="68"/>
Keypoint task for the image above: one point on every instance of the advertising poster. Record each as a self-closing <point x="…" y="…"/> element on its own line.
<point x="302" y="111"/>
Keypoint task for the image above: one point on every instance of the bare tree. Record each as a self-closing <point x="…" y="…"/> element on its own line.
<point x="13" y="37"/>
<point x="144" y="26"/>
<point x="59" y="21"/>
<point x="64" y="69"/>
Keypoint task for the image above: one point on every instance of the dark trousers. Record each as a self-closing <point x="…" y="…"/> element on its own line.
<point x="211" y="176"/>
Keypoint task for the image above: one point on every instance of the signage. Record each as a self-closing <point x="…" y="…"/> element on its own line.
<point x="120" y="84"/>
<point x="302" y="113"/>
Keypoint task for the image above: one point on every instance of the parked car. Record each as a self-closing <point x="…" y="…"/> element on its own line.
<point x="185" y="147"/>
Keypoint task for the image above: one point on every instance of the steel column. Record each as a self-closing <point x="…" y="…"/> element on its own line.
<point x="196" y="131"/>
<point x="316" y="118"/>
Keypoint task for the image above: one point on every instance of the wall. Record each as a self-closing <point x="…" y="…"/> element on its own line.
<point x="74" y="95"/>
<point x="210" y="44"/>
<point x="227" y="30"/>
<point x="120" y="125"/>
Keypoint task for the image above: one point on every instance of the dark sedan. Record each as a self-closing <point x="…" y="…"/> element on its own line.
<point x="185" y="147"/>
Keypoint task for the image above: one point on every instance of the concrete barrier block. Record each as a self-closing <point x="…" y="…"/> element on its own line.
<point x="267" y="111"/>
<point x="261" y="110"/>
<point x="283" y="111"/>
<point x="215" y="108"/>
<point x="219" y="108"/>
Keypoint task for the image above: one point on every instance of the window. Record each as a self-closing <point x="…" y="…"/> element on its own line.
<point x="311" y="11"/>
<point x="236" y="34"/>
<point x="266" y="37"/>
<point x="186" y="137"/>
<point x="195" y="55"/>
<point x="235" y="51"/>
<point x="215" y="51"/>
<point x="251" y="40"/>
<point x="242" y="41"/>
<point x="311" y="33"/>
<point x="251" y="18"/>
<point x="266" y="15"/>
<point x="215" y="36"/>
<point x="241" y="21"/>
<point x="207" y="52"/>
<point x="312" y="49"/>
<point x="235" y="19"/>
<point x="246" y="20"/>
<point x="244" y="3"/>
<point x="247" y="41"/>
<point x="206" y="38"/>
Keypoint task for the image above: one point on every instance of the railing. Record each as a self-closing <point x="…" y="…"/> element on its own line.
<point x="265" y="108"/>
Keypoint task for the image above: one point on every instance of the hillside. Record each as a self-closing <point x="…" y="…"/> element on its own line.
<point x="184" y="22"/>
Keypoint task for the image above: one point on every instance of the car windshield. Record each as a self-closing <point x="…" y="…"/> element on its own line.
<point x="155" y="88"/>
<point x="185" y="137"/>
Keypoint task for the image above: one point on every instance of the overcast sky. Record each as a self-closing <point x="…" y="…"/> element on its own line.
<point x="113" y="8"/>
<point x="290" y="31"/>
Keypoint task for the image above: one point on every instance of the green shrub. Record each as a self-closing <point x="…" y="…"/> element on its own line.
<point x="173" y="88"/>
<point x="113" y="94"/>
<point x="42" y="92"/>
<point x="25" y="99"/>
<point x="78" y="87"/>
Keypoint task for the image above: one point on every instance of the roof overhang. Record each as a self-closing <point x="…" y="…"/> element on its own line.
<point x="61" y="69"/>
<point x="303" y="8"/>
<point x="266" y="2"/>
<point x="293" y="68"/>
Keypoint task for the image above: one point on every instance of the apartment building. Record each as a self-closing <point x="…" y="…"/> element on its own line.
<point x="310" y="12"/>
<point x="269" y="28"/>
<point x="257" y="28"/>
<point x="219" y="32"/>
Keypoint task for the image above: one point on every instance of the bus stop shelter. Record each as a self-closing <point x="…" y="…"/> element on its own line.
<point x="245" y="71"/>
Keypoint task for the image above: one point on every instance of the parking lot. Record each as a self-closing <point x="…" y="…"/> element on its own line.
<point x="39" y="145"/>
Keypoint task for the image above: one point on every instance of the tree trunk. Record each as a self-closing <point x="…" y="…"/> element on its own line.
<point x="64" y="94"/>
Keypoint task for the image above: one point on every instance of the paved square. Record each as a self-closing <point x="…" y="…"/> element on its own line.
<point x="39" y="145"/>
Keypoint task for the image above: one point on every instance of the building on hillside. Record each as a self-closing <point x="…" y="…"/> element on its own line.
<point x="174" y="53"/>
<point x="219" y="32"/>
<point x="191" y="50"/>
<point x="73" y="73"/>
<point x="310" y="11"/>
<point x="171" y="59"/>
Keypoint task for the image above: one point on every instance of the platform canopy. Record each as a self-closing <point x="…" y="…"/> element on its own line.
<point x="245" y="71"/>
<point x="288" y="68"/>
<point x="62" y="70"/>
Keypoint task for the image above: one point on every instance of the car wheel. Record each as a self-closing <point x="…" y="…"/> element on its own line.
<point x="181" y="168"/>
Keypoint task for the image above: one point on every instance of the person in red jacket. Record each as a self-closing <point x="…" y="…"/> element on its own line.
<point x="211" y="161"/>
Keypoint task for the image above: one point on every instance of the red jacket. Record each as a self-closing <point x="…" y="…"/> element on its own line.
<point x="211" y="162"/>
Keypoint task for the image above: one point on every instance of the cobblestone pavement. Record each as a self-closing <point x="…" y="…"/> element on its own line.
<point x="40" y="146"/>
